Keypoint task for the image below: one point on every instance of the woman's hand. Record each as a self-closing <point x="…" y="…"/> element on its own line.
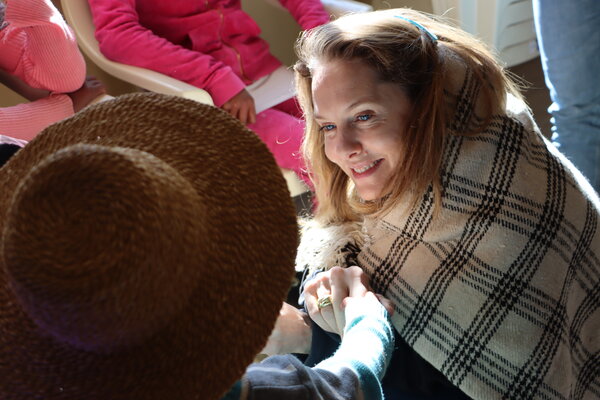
<point x="91" y="89"/>
<point x="343" y="285"/>
<point x="292" y="333"/>
<point x="241" y="106"/>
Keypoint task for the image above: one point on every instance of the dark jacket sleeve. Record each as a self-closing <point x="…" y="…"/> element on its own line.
<point x="354" y="371"/>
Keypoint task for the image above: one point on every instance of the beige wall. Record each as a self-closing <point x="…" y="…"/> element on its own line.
<point x="421" y="5"/>
<point x="9" y="98"/>
<point x="280" y="29"/>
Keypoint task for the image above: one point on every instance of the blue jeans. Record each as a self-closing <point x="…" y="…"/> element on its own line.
<point x="569" y="39"/>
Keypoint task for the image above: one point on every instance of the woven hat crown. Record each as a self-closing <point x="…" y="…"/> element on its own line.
<point x="123" y="238"/>
<point x="139" y="238"/>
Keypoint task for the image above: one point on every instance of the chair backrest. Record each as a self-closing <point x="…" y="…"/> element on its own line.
<point x="79" y="17"/>
<point x="337" y="8"/>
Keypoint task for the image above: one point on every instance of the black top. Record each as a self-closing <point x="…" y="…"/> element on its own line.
<point x="6" y="151"/>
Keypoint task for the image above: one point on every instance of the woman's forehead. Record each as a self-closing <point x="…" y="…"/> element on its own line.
<point x="341" y="72"/>
<point x="342" y="85"/>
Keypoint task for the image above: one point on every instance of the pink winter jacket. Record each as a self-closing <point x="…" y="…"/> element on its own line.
<point x="38" y="47"/>
<point x="211" y="44"/>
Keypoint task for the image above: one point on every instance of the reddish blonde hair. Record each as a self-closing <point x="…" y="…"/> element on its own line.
<point x="409" y="57"/>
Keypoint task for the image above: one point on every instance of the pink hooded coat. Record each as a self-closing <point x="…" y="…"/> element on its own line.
<point x="211" y="44"/>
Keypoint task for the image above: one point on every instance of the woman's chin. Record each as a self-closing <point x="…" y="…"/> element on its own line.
<point x="369" y="195"/>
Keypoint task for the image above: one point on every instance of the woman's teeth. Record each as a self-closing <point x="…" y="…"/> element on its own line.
<point x="366" y="167"/>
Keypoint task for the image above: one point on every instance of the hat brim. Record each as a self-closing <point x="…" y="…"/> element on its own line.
<point x="205" y="348"/>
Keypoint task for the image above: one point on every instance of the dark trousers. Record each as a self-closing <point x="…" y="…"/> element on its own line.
<point x="7" y="151"/>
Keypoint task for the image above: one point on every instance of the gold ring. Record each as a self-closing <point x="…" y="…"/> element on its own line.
<point x="323" y="302"/>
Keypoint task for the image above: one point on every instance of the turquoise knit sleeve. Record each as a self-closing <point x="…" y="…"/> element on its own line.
<point x="367" y="346"/>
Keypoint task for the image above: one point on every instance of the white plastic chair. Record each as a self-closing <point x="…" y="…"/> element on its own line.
<point x="79" y="17"/>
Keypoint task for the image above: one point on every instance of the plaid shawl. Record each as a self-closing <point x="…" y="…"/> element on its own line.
<point x="500" y="290"/>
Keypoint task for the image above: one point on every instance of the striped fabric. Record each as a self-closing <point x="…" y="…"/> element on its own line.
<point x="500" y="290"/>
<point x="38" y="47"/>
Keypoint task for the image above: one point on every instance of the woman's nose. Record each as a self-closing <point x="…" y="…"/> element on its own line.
<point x="348" y="144"/>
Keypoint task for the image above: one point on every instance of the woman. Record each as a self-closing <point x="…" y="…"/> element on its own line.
<point x="431" y="175"/>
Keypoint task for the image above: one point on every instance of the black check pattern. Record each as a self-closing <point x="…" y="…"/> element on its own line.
<point x="500" y="294"/>
<point x="501" y="290"/>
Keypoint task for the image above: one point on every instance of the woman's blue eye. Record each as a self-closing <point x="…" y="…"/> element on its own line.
<point x="364" y="117"/>
<point x="327" y="128"/>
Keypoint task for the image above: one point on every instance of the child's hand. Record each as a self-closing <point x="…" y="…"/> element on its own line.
<point x="339" y="286"/>
<point x="91" y="89"/>
<point x="241" y="106"/>
<point x="292" y="333"/>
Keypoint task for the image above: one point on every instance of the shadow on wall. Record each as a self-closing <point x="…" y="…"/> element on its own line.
<point x="113" y="85"/>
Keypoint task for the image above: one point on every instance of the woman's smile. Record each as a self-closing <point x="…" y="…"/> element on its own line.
<point x="361" y="121"/>
<point x="367" y="170"/>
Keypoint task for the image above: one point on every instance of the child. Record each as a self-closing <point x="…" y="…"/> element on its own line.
<point x="39" y="59"/>
<point x="213" y="45"/>
<point x="140" y="260"/>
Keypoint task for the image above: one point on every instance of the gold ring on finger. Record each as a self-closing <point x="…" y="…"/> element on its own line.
<point x="325" y="301"/>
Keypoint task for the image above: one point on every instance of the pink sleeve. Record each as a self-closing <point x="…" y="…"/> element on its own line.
<point x="24" y="121"/>
<point x="308" y="13"/>
<point x="38" y="47"/>
<point x="122" y="38"/>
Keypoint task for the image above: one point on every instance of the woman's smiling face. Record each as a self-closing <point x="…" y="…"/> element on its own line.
<point x="361" y="119"/>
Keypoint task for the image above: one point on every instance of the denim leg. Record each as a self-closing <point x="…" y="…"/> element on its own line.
<point x="569" y="38"/>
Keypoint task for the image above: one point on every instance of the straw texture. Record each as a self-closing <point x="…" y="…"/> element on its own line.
<point x="147" y="244"/>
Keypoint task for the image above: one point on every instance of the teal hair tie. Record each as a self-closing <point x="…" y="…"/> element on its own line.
<point x="421" y="27"/>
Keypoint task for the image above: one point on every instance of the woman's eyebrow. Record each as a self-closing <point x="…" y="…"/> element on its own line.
<point x="368" y="100"/>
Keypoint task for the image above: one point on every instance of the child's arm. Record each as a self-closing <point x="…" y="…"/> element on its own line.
<point x="366" y="348"/>
<point x="18" y="86"/>
<point x="353" y="372"/>
<point x="38" y="47"/>
<point x="308" y="13"/>
<point x="122" y="38"/>
<point x="24" y="121"/>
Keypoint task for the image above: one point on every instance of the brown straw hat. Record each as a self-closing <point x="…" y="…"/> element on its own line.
<point x="147" y="244"/>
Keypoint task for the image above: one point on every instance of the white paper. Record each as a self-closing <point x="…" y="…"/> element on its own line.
<point x="273" y="89"/>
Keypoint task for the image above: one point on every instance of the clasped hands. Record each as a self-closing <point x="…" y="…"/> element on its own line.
<point x="335" y="289"/>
